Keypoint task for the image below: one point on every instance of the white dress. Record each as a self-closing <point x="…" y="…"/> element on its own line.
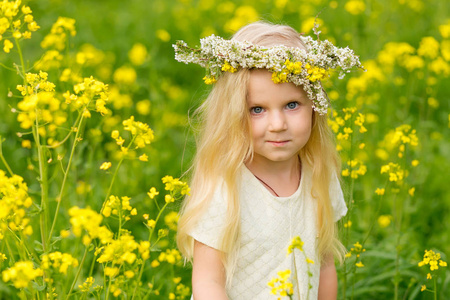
<point x="268" y="224"/>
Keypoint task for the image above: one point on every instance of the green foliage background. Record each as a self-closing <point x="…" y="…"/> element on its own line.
<point x="401" y="96"/>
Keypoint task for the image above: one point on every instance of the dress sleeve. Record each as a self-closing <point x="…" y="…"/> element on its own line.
<point x="337" y="198"/>
<point x="210" y="227"/>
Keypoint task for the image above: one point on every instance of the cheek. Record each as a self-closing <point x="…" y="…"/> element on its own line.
<point x="257" y="128"/>
<point x="303" y="127"/>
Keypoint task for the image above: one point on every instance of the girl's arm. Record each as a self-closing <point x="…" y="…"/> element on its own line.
<point x="328" y="279"/>
<point x="208" y="273"/>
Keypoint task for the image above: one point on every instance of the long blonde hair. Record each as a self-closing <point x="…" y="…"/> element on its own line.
<point x="223" y="145"/>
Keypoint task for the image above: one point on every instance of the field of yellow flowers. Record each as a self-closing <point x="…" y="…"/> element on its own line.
<point x="95" y="139"/>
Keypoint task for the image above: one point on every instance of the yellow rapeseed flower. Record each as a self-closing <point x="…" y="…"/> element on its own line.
<point x="115" y="134"/>
<point x="138" y="54"/>
<point x="151" y="223"/>
<point x="169" y="199"/>
<point x="86" y="219"/>
<point x="296" y="243"/>
<point x="125" y="75"/>
<point x="152" y="193"/>
<point x="57" y="38"/>
<point x="384" y="220"/>
<point x="308" y="24"/>
<point x="143" y="107"/>
<point x="105" y="166"/>
<point x="155" y="263"/>
<point x="209" y="79"/>
<point x="163" y="35"/>
<point x="228" y="68"/>
<point x="440" y="67"/>
<point x="379" y="191"/>
<point x="7" y="46"/>
<point x="58" y="261"/>
<point x="281" y="285"/>
<point x="243" y="15"/>
<point x="119" y="251"/>
<point x="355" y="7"/>
<point x="429" y="47"/>
<point x="26" y="144"/>
<point x="345" y="172"/>
<point x="412" y="62"/>
<point x="171" y="220"/>
<point x="87" y="284"/>
<point x="143" y="157"/>
<point x="14" y="202"/>
<point x="172" y="256"/>
<point x="64" y="233"/>
<point x="144" y="249"/>
<point x="444" y="29"/>
<point x="142" y="133"/>
<point x="111" y="271"/>
<point x="433" y="260"/>
<point x="21" y="274"/>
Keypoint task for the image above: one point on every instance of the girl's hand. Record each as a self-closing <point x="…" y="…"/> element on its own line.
<point x="208" y="273"/>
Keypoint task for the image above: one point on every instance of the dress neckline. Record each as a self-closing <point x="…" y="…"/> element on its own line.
<point x="261" y="186"/>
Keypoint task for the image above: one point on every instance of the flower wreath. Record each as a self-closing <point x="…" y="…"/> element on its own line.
<point x="302" y="67"/>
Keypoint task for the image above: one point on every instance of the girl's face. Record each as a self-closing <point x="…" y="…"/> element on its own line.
<point x="281" y="119"/>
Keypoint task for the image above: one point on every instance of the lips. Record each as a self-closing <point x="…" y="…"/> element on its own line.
<point x="278" y="143"/>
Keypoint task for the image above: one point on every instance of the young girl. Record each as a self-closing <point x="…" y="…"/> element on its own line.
<point x="266" y="166"/>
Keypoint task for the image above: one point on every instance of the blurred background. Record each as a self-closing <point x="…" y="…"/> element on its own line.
<point x="404" y="45"/>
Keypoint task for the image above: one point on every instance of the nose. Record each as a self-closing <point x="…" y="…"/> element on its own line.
<point x="277" y="121"/>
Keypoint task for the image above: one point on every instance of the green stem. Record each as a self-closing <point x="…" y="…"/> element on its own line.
<point x="109" y="287"/>
<point x="435" y="288"/>
<point x="349" y="205"/>
<point x="141" y="271"/>
<point x="22" y="295"/>
<point x="120" y="221"/>
<point x="344" y="281"/>
<point x="397" y="248"/>
<point x="11" y="173"/>
<point x="63" y="185"/>
<point x="78" y="272"/>
<point x="19" y="50"/>
<point x="115" y="175"/>
<point x="347" y="235"/>
<point x="11" y="256"/>
<point x="91" y="269"/>
<point x="111" y="185"/>
<point x="6" y="67"/>
<point x="43" y="180"/>
<point x="77" y="121"/>
<point x="376" y="215"/>
<point x="23" y="245"/>
<point x="353" y="283"/>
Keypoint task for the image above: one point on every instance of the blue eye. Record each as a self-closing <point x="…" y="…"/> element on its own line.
<point x="256" y="110"/>
<point x="292" y="105"/>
